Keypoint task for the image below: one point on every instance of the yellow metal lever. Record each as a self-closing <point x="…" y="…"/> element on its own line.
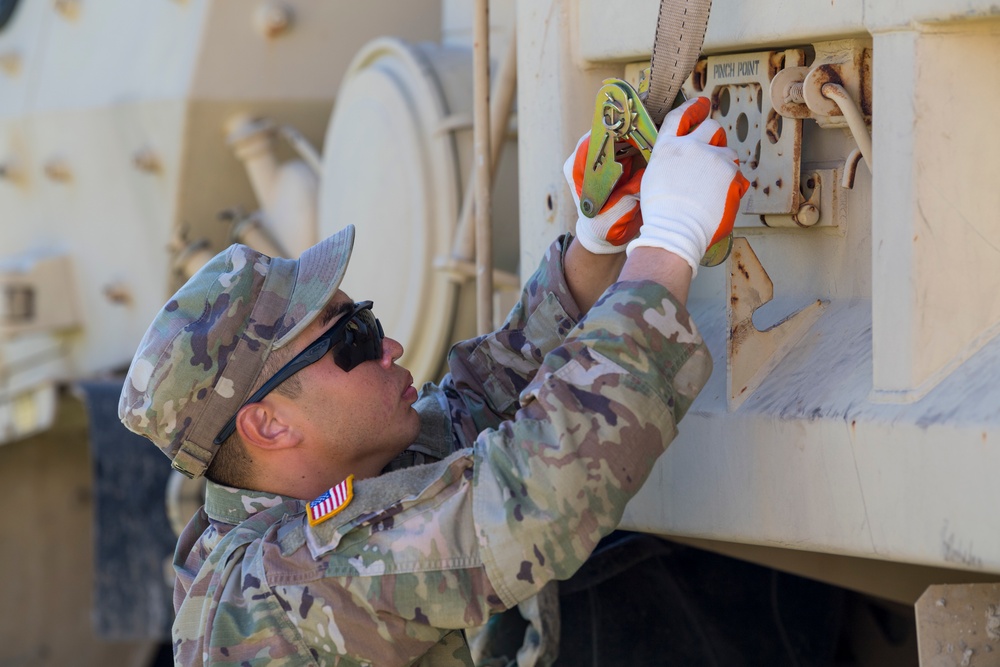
<point x="621" y="127"/>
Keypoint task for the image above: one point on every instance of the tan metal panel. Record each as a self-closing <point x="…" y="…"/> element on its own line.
<point x="935" y="237"/>
<point x="306" y="60"/>
<point x="618" y="31"/>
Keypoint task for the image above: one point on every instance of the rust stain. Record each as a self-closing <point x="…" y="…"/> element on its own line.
<point x="851" y="170"/>
<point x="866" y="84"/>
<point x="775" y="62"/>
<point x="827" y="74"/>
<point x="740" y="333"/>
<point x="700" y="76"/>
<point x="772" y="128"/>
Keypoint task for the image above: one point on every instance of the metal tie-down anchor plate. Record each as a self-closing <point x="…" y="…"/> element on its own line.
<point x="753" y="354"/>
<point x="769" y="146"/>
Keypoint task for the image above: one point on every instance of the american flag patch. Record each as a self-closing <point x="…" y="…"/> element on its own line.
<point x="331" y="502"/>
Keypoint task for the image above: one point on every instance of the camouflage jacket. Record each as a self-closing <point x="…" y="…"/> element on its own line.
<point x="547" y="428"/>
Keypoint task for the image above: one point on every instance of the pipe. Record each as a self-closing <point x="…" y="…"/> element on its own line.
<point x="306" y="150"/>
<point x="501" y="105"/>
<point x="482" y="161"/>
<point x="286" y="192"/>
<point x="252" y="141"/>
<point x="851" y="168"/>
<point x="855" y="121"/>
<point x="251" y="231"/>
<point x="189" y="257"/>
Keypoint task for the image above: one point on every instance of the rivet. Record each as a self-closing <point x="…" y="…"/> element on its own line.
<point x="70" y="9"/>
<point x="273" y="18"/>
<point x="58" y="169"/>
<point x="146" y="159"/>
<point x="10" y="63"/>
<point x="118" y="293"/>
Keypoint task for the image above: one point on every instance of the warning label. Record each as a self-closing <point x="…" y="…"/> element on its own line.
<point x="739" y="69"/>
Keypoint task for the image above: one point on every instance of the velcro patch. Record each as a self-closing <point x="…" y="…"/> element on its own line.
<point x="331" y="502"/>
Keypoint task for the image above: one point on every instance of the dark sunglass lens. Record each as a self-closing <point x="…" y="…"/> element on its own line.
<point x="362" y="341"/>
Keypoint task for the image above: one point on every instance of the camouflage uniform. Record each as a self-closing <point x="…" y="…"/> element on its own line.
<point x="546" y="428"/>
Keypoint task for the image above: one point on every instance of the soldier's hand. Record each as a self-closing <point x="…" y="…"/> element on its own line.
<point x="619" y="219"/>
<point x="692" y="187"/>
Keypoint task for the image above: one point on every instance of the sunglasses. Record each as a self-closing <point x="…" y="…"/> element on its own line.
<point x="356" y="338"/>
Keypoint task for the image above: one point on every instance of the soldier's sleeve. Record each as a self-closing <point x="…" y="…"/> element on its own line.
<point x="488" y="373"/>
<point x="601" y="409"/>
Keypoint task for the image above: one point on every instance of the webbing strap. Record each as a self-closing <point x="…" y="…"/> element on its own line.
<point x="680" y="33"/>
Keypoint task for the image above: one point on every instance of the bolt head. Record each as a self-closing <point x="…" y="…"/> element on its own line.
<point x="808" y="215"/>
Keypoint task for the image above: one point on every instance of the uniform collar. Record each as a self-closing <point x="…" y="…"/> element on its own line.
<point x="234" y="506"/>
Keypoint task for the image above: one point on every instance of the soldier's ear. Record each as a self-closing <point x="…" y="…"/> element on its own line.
<point x="264" y="426"/>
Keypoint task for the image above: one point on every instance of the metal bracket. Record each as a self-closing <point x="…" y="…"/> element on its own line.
<point x="797" y="92"/>
<point x="753" y="354"/>
<point x="825" y="205"/>
<point x="36" y="295"/>
<point x="769" y="145"/>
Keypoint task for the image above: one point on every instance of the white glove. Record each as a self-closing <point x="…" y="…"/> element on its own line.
<point x="692" y="186"/>
<point x="619" y="219"/>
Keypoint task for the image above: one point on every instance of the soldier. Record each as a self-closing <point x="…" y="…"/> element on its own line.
<point x="320" y="542"/>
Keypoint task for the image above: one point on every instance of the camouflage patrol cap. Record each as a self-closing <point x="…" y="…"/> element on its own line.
<point x="204" y="351"/>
